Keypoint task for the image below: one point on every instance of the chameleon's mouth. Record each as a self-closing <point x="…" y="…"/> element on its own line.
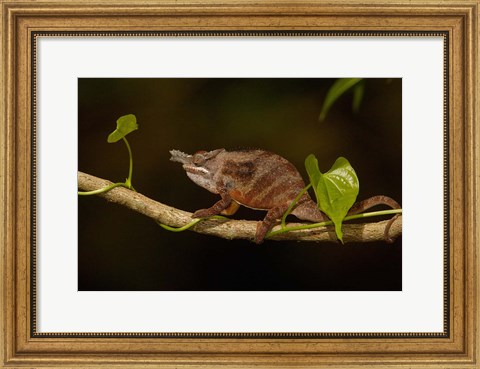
<point x="188" y="165"/>
<point x="191" y="168"/>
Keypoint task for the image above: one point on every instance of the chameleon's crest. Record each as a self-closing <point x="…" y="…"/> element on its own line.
<point x="181" y="157"/>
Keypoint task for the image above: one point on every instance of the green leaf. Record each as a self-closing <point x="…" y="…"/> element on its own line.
<point x="336" y="190"/>
<point x="339" y="87"/>
<point x="358" y="92"/>
<point x="125" y="125"/>
<point x="311" y="164"/>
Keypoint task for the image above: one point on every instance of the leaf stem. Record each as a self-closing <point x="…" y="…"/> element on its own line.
<point x="101" y="190"/>
<point x="189" y="225"/>
<point x="329" y="222"/>
<point x="294" y="202"/>
<point x="179" y="229"/>
<point x="128" y="182"/>
<point x="374" y="214"/>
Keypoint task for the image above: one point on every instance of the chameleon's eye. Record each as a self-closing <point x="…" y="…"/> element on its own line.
<point x="199" y="158"/>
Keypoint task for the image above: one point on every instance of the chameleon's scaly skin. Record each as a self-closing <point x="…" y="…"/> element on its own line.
<point x="259" y="180"/>
<point x="256" y="179"/>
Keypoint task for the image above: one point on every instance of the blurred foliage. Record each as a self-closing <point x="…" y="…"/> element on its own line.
<point x="339" y="88"/>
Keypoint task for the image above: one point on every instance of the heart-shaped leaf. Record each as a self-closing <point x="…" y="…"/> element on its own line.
<point x="311" y="164"/>
<point x="336" y="190"/>
<point x="125" y="125"/>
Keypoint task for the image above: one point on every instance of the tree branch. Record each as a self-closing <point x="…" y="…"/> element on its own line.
<point x="230" y="229"/>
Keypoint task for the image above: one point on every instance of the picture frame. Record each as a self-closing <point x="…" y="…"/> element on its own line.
<point x="457" y="347"/>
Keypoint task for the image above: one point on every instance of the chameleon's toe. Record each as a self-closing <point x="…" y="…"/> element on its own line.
<point x="261" y="232"/>
<point x="202" y="213"/>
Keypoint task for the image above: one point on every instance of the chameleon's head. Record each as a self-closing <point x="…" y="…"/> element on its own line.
<point x="200" y="167"/>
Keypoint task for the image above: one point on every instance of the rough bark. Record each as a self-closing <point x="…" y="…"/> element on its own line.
<point x="230" y="229"/>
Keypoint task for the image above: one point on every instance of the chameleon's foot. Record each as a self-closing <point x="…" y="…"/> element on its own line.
<point x="261" y="232"/>
<point x="217" y="208"/>
<point x="268" y="222"/>
<point x="203" y="213"/>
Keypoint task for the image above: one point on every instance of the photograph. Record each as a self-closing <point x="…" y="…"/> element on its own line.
<point x="239" y="184"/>
<point x="235" y="149"/>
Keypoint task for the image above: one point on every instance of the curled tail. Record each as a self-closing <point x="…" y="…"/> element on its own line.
<point x="308" y="210"/>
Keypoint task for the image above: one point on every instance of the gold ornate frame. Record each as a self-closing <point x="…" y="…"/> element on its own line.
<point x="458" y="347"/>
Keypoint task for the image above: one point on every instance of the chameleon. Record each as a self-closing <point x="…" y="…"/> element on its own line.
<point x="259" y="180"/>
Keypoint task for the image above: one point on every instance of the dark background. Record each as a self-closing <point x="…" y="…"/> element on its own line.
<point x="122" y="250"/>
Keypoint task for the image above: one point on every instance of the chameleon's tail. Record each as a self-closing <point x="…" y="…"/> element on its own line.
<point x="308" y="210"/>
<point x="364" y="205"/>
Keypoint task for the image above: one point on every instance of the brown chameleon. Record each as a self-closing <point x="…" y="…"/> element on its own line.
<point x="259" y="180"/>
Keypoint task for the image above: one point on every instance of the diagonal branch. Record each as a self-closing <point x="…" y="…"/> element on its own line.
<point x="230" y="229"/>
